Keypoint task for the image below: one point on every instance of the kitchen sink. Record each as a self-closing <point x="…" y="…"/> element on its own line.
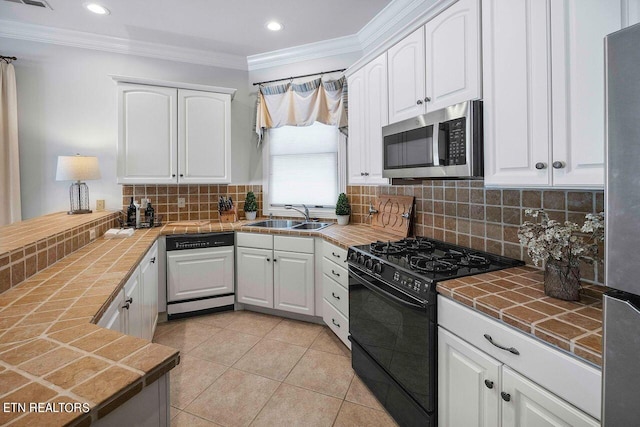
<point x="276" y="223"/>
<point x="290" y="224"/>
<point x="311" y="226"/>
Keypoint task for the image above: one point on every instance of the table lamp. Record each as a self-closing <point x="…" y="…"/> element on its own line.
<point x="78" y="168"/>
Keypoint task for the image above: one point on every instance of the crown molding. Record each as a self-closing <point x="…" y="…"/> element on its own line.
<point x="306" y="52"/>
<point x="396" y="21"/>
<point x="59" y="36"/>
<point x="168" y="83"/>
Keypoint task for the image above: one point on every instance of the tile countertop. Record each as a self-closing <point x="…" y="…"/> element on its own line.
<point x="516" y="297"/>
<point x="50" y="348"/>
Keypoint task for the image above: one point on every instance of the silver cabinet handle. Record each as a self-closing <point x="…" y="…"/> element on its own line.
<point x="419" y="102"/>
<point x="501" y="347"/>
<point x="541" y="165"/>
<point x="334" y="295"/>
<point x="334" y="322"/>
<point x="335" y="274"/>
<point x="427" y="99"/>
<point x="558" y="165"/>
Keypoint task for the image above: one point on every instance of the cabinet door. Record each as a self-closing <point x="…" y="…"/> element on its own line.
<point x="255" y="276"/>
<point x="149" y="278"/>
<point x="147" y="134"/>
<point x="377" y="117"/>
<point x="134" y="307"/>
<point x="630" y="12"/>
<point x="199" y="273"/>
<point x="453" y="55"/>
<point x="577" y="54"/>
<point x="515" y="37"/>
<point x="530" y="405"/>
<point x="204" y="137"/>
<point x="357" y="131"/>
<point x="406" y="65"/>
<point x="293" y="282"/>
<point x="468" y="384"/>
<point x="113" y="317"/>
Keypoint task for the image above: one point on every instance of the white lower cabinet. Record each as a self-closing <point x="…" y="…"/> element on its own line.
<point x="276" y="272"/>
<point x="476" y="388"/>
<point x="335" y="291"/>
<point x="134" y="311"/>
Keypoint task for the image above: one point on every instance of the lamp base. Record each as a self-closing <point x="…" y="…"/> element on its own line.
<point x="80" y="211"/>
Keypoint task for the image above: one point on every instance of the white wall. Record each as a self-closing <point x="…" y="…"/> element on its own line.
<point x="67" y="105"/>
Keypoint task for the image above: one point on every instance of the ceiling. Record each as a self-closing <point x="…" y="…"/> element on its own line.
<point x="234" y="27"/>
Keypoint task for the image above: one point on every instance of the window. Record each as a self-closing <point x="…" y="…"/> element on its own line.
<point x="303" y="166"/>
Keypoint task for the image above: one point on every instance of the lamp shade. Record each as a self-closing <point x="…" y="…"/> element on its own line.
<point x="77" y="168"/>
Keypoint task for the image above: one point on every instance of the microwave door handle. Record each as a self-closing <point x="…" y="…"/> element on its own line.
<point x="436" y="143"/>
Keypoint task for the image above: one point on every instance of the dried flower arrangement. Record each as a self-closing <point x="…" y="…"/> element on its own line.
<point x="561" y="246"/>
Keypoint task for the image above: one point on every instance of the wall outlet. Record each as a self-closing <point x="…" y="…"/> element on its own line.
<point x="100" y="205"/>
<point x="92" y="233"/>
<point x="181" y="202"/>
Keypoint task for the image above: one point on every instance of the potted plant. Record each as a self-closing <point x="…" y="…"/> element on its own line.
<point x="561" y="247"/>
<point x="343" y="209"/>
<point x="250" y="206"/>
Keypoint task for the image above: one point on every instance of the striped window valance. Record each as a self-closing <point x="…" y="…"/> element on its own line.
<point x="302" y="104"/>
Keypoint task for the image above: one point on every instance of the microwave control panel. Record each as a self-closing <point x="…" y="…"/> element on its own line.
<point x="455" y="134"/>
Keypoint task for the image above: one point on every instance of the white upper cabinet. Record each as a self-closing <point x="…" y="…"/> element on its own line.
<point x="368" y="113"/>
<point x="204" y="140"/>
<point x="453" y="55"/>
<point x="437" y="65"/>
<point x="577" y="74"/>
<point x="516" y="92"/>
<point x="543" y="78"/>
<point x="147" y="143"/>
<point x="406" y="65"/>
<point x="171" y="136"/>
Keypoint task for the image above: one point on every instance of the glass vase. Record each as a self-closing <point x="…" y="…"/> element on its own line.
<point x="562" y="280"/>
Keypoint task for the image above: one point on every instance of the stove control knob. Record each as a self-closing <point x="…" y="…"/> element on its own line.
<point x="377" y="268"/>
<point x="361" y="259"/>
<point x="353" y="257"/>
<point x="369" y="263"/>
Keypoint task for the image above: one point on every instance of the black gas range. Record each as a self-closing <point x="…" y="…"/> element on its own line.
<point x="392" y="317"/>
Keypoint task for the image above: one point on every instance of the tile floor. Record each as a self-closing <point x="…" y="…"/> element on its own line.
<point x="244" y="368"/>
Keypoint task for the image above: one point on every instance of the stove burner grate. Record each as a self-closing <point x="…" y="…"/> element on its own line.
<point x="431" y="264"/>
<point x="388" y="248"/>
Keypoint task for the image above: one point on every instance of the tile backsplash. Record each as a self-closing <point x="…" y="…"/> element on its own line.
<point x="468" y="214"/>
<point x="201" y="201"/>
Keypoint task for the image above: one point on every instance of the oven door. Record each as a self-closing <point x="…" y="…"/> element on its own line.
<point x="397" y="332"/>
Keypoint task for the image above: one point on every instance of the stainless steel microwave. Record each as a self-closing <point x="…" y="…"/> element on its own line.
<point x="446" y="143"/>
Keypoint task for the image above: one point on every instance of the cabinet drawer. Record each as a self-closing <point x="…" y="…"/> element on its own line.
<point x="293" y="244"/>
<point x="335" y="294"/>
<point x="579" y="383"/>
<point x="336" y="321"/>
<point x="337" y="273"/>
<point x="253" y="240"/>
<point x="334" y="253"/>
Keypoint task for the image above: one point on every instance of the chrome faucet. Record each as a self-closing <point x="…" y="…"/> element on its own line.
<point x="305" y="213"/>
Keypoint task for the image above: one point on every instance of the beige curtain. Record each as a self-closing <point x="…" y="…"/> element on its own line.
<point x="10" y="210"/>
<point x="302" y="104"/>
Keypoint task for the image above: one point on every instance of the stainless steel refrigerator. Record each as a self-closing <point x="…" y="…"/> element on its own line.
<point x="621" y="369"/>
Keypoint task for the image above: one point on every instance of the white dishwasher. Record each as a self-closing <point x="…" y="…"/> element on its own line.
<point x="200" y="275"/>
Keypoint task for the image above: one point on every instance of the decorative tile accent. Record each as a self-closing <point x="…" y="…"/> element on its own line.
<point x="201" y="201"/>
<point x="467" y="214"/>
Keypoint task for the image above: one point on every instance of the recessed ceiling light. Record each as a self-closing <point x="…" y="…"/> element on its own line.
<point x="97" y="9"/>
<point x="274" y="26"/>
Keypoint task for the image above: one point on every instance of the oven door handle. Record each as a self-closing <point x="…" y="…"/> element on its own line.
<point x="382" y="292"/>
